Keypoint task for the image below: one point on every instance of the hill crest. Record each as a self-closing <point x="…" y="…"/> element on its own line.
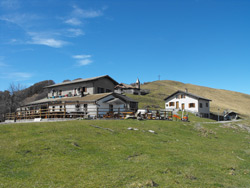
<point x="221" y="99"/>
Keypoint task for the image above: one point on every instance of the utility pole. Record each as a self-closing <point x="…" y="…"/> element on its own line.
<point x="159" y="77"/>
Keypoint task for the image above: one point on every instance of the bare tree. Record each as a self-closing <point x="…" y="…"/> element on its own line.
<point x="15" y="96"/>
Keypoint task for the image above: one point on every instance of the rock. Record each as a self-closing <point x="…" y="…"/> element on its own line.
<point x="130" y="128"/>
<point x="75" y="144"/>
<point x="151" y="131"/>
<point x="151" y="183"/>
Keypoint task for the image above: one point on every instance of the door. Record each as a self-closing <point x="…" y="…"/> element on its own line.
<point x="182" y="106"/>
<point x="111" y="108"/>
<point x="177" y="105"/>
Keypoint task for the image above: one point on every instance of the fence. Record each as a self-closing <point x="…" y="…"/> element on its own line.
<point x="64" y="112"/>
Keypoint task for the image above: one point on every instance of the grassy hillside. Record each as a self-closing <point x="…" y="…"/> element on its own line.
<point x="222" y="99"/>
<point x="76" y="154"/>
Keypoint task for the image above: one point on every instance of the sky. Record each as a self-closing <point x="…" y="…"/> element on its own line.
<point x="201" y="42"/>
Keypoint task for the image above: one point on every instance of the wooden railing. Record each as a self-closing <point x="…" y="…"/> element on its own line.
<point x="69" y="113"/>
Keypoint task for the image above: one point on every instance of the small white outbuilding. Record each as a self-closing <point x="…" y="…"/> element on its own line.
<point x="183" y="100"/>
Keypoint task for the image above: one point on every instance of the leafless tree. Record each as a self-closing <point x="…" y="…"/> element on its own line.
<point x="15" y="96"/>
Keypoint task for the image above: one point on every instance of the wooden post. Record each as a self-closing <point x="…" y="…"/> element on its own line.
<point x="48" y="111"/>
<point x="97" y="109"/>
<point x="119" y="112"/>
<point x="64" y="110"/>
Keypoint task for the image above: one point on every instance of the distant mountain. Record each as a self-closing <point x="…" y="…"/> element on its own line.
<point x="221" y="99"/>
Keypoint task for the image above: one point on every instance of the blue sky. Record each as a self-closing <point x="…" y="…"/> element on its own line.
<point x="202" y="42"/>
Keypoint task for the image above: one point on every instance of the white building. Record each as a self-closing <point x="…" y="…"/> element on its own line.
<point x="181" y="100"/>
<point x="95" y="105"/>
<point x="94" y="97"/>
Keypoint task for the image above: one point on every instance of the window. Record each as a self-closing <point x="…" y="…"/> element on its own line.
<point x="133" y="105"/>
<point x="60" y="108"/>
<point x="207" y="104"/>
<point x="166" y="105"/>
<point x="171" y="104"/>
<point x="108" y="90"/>
<point x="182" y="96"/>
<point x="53" y="108"/>
<point x="111" y="108"/>
<point x="100" y="90"/>
<point x="84" y="89"/>
<point x="178" y="96"/>
<point x="191" y="105"/>
<point x="200" y="105"/>
<point x="75" y="92"/>
<point x="77" y="107"/>
<point x="60" y="92"/>
<point x="85" y="107"/>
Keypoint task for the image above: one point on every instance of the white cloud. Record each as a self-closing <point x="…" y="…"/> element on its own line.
<point x="73" y="21"/>
<point x="81" y="56"/>
<point x="17" y="76"/>
<point x="48" y="42"/>
<point x="43" y="39"/>
<point x="22" y="75"/>
<point x="84" y="62"/>
<point x="83" y="59"/>
<point x="75" y="32"/>
<point x="2" y="64"/>
<point x="91" y="13"/>
<point x="78" y="12"/>
<point x="22" y="20"/>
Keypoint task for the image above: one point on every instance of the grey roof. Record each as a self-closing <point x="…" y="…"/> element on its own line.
<point x="115" y="101"/>
<point x="187" y="93"/>
<point x="125" y="86"/>
<point x="83" y="80"/>
<point x="87" y="98"/>
<point x="124" y="97"/>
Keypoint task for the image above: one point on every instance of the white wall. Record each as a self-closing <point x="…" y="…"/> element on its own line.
<point x="186" y="101"/>
<point x="103" y="107"/>
<point x="66" y="89"/>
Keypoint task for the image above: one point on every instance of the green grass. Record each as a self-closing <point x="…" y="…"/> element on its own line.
<point x="75" y="154"/>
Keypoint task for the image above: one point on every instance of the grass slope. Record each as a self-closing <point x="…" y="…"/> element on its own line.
<point x="222" y="99"/>
<point x="75" y="154"/>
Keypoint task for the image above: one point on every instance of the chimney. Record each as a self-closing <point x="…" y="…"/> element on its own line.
<point x="186" y="90"/>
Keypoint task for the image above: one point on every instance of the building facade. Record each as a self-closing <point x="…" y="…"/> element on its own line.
<point x="82" y="87"/>
<point x="93" y="97"/>
<point x="183" y="100"/>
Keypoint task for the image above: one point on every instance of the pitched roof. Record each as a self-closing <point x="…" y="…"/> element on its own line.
<point x="187" y="93"/>
<point x="124" y="97"/>
<point x="83" y="80"/>
<point x="87" y="98"/>
<point x="125" y="86"/>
